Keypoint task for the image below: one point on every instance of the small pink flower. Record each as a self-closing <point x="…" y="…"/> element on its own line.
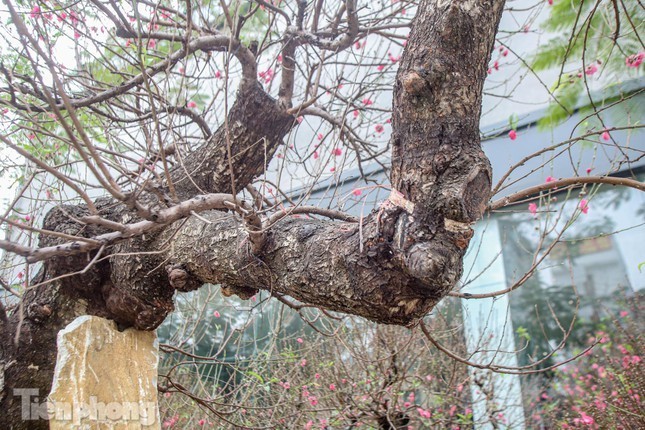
<point x="635" y="60"/>
<point x="591" y="69"/>
<point x="218" y="74"/>
<point x="407" y="405"/>
<point x="316" y="155"/>
<point x="332" y="387"/>
<point x="333" y="169"/>
<point x="623" y="314"/>
<point x="512" y="135"/>
<point x="202" y="422"/>
<point x="589" y="169"/>
<point x="313" y="401"/>
<point x="303" y="362"/>
<point x="533" y="209"/>
<point x="299" y="119"/>
<point x="337" y="152"/>
<point x="152" y="44"/>
<point x="286" y="385"/>
<point x="550" y="2"/>
<point x="27" y="218"/>
<point x="379" y="128"/>
<point x="355" y="113"/>
<point x="380" y="67"/>
<point x="584" y="206"/>
<point x="309" y="425"/>
<point x="320" y="136"/>
<point x="357" y="192"/>
<point x="550" y="179"/>
<point x="424" y="413"/>
<point x="586" y="419"/>
<point x="35" y="11"/>
<point x="367" y="102"/>
<point x="605" y="135"/>
<point x="317" y="376"/>
<point x="191" y="104"/>
<point x="299" y="340"/>
<point x="216" y="314"/>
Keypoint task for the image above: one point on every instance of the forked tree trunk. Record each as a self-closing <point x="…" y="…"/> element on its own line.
<point x="392" y="268"/>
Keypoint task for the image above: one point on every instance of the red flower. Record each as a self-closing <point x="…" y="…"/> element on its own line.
<point x="512" y="134"/>
<point x="584" y="206"/>
<point x="379" y="128"/>
<point x="191" y="105"/>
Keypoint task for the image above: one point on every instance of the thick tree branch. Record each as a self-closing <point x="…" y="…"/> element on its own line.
<point x="161" y="218"/>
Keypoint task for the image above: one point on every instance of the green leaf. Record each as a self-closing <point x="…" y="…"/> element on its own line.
<point x="523" y="333"/>
<point x="567" y="95"/>
<point x="255" y="375"/>
<point x="513" y="121"/>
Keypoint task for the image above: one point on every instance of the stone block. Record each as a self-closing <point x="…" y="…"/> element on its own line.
<point x="104" y="379"/>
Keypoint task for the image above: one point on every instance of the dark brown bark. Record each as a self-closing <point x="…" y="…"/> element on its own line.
<point x="133" y="290"/>
<point x="392" y="268"/>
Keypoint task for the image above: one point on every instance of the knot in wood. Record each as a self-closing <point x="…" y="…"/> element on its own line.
<point x="38" y="312"/>
<point x="413" y="83"/>
<point x="180" y="279"/>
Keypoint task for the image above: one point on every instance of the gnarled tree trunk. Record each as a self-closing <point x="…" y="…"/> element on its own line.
<point x="392" y="267"/>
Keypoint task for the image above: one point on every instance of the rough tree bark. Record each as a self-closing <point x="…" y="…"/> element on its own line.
<point x="392" y="267"/>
